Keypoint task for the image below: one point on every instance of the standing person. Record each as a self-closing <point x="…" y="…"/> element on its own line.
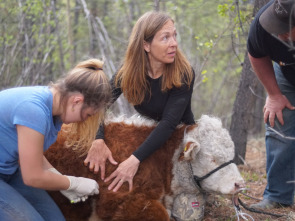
<point x="30" y="118"/>
<point x="158" y="81"/>
<point x="271" y="38"/>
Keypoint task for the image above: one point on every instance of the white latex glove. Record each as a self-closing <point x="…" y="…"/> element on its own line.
<point x="80" y="187"/>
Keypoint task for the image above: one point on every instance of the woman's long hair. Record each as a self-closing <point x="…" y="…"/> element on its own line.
<point x="132" y="76"/>
<point x="88" y="79"/>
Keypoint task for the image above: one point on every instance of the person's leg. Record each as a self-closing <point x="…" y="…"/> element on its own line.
<point x="280" y="150"/>
<point x="280" y="165"/>
<point x="13" y="206"/>
<point x="39" y="199"/>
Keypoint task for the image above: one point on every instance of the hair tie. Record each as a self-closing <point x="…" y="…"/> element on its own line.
<point x="95" y="69"/>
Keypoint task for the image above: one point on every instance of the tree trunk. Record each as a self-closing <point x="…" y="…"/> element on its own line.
<point x="75" y="30"/>
<point x="70" y="33"/>
<point x="245" y="102"/>
<point x="59" y="39"/>
<point x="157" y="5"/>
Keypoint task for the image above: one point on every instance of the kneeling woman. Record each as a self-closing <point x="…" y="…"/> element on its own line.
<point x="30" y="118"/>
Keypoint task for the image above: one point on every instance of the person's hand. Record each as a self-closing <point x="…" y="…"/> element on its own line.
<point x="80" y="188"/>
<point x="97" y="156"/>
<point x="125" y="172"/>
<point x="273" y="108"/>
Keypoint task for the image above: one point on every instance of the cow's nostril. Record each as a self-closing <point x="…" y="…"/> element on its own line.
<point x="239" y="185"/>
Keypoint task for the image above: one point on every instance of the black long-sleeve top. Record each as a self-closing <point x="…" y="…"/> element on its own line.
<point x="168" y="108"/>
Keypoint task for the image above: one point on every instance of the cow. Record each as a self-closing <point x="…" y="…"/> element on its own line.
<point x="173" y="171"/>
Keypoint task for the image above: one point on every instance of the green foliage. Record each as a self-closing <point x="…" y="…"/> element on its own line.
<point x="212" y="34"/>
<point x="224" y="9"/>
<point x="204" y="78"/>
<point x="250" y="176"/>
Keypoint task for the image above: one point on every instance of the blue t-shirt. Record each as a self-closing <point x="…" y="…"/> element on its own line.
<point x="30" y="107"/>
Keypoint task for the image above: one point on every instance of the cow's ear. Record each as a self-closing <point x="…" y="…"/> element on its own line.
<point x="190" y="150"/>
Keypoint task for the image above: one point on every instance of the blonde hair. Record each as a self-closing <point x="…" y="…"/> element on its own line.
<point x="79" y="136"/>
<point x="132" y="75"/>
<point x="88" y="79"/>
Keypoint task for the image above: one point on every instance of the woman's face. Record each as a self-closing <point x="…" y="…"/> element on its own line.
<point x="162" y="49"/>
<point x="76" y="111"/>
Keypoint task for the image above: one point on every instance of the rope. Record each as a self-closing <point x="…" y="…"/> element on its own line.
<point x="260" y="211"/>
<point x="237" y="208"/>
<point x="239" y="214"/>
<point x="196" y="184"/>
<point x="198" y="179"/>
<point x="250" y="196"/>
<point x="243" y="215"/>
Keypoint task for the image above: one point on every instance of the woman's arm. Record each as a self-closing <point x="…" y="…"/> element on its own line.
<point x="178" y="102"/>
<point x="33" y="166"/>
<point x="39" y="173"/>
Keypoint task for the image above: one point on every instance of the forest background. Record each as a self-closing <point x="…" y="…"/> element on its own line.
<point x="40" y="40"/>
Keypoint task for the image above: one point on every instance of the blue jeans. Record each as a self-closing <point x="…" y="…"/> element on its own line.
<point x="280" y="151"/>
<point x="19" y="202"/>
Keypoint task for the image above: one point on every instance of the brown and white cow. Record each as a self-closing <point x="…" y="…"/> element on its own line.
<point x="191" y="151"/>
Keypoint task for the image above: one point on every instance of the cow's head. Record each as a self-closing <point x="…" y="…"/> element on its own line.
<point x="207" y="145"/>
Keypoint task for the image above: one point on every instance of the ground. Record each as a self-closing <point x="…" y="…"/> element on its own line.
<point x="219" y="208"/>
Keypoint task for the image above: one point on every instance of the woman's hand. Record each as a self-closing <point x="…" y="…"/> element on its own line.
<point x="125" y="172"/>
<point x="97" y="156"/>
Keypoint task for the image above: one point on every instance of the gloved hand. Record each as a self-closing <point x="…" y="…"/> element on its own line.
<point x="80" y="187"/>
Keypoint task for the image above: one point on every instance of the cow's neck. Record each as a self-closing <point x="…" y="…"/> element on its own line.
<point x="182" y="175"/>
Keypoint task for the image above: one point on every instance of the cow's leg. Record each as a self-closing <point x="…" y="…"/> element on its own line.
<point x="141" y="209"/>
<point x="74" y="212"/>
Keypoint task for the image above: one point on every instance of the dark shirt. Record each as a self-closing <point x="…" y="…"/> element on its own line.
<point x="168" y="108"/>
<point x="261" y="44"/>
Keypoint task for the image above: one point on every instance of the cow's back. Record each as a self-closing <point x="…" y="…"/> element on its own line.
<point x="151" y="182"/>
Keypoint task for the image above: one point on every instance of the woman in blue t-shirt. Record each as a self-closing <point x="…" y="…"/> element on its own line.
<point x="30" y="118"/>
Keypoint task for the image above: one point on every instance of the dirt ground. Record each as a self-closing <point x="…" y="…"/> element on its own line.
<point x="220" y="208"/>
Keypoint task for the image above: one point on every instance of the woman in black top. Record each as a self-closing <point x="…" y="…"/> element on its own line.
<point x="158" y="81"/>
